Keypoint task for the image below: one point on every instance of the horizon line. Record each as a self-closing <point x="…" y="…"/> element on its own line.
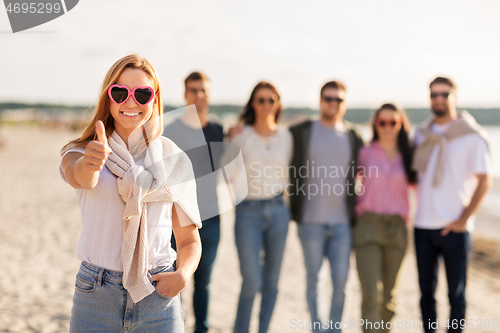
<point x="362" y="107"/>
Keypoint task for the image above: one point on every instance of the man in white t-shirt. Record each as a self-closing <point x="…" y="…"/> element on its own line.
<point x="454" y="173"/>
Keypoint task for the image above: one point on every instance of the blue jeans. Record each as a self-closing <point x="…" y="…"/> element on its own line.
<point x="333" y="242"/>
<point x="100" y="303"/>
<point x="261" y="227"/>
<point x="210" y="236"/>
<point x="455" y="249"/>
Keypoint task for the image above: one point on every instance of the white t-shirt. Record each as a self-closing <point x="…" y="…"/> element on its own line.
<point x="266" y="162"/>
<point x="101" y="237"/>
<point x="465" y="157"/>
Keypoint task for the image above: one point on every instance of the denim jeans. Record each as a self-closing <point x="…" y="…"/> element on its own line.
<point x="210" y="236"/>
<point x="261" y="228"/>
<point x="333" y="242"/>
<point x="455" y="249"/>
<point x="101" y="304"/>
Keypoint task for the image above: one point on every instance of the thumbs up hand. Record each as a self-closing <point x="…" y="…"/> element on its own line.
<point x="97" y="151"/>
<point x="101" y="133"/>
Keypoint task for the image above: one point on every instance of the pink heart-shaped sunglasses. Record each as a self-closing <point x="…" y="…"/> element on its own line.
<point x="121" y="94"/>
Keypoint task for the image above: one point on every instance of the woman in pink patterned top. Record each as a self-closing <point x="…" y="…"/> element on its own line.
<point x="380" y="233"/>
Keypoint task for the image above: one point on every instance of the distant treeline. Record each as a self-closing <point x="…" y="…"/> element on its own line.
<point x="355" y="115"/>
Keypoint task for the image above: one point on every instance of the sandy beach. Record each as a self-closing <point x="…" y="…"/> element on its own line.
<point x="40" y="226"/>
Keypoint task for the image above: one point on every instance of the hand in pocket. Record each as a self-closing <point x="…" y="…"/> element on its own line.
<point x="170" y="284"/>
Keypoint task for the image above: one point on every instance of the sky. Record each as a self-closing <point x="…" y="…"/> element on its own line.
<point x="384" y="51"/>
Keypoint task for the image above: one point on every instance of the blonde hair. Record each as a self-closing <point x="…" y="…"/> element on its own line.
<point x="102" y="111"/>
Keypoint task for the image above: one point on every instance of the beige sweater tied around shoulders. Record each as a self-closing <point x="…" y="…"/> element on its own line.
<point x="465" y="124"/>
<point x="167" y="176"/>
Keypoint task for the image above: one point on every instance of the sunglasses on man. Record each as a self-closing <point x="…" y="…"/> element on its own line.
<point x="329" y="99"/>
<point x="436" y="95"/>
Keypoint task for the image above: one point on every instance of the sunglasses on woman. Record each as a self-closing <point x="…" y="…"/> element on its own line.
<point x="121" y="94"/>
<point x="392" y="123"/>
<point x="263" y="101"/>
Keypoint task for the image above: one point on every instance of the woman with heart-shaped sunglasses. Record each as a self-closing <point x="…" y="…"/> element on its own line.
<point x="124" y="246"/>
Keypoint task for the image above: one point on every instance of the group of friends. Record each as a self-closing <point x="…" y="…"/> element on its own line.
<point x="342" y="193"/>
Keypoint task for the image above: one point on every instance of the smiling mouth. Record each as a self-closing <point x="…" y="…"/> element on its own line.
<point x="130" y="114"/>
